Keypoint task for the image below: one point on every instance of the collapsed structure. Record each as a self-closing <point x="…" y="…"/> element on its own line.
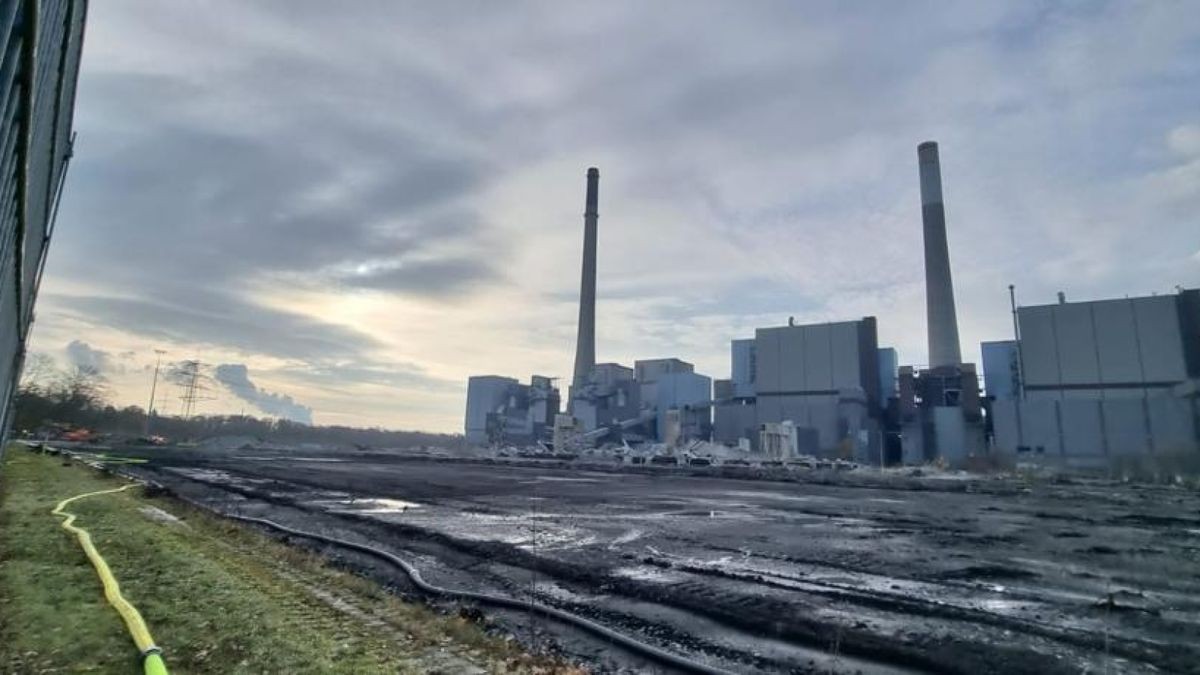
<point x="1081" y="384"/>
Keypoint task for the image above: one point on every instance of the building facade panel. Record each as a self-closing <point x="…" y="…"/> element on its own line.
<point x="767" y="361"/>
<point x="817" y="372"/>
<point x="844" y="349"/>
<point x="485" y="394"/>
<point x="1081" y="427"/>
<point x="734" y="421"/>
<point x="742" y="361"/>
<point x="1000" y="369"/>
<point x="1125" y="426"/>
<point x="1159" y="336"/>
<point x="1076" y="344"/>
<point x="1116" y="341"/>
<point x="1039" y="347"/>
<point x="1173" y="424"/>
<point x="889" y="363"/>
<point x="1040" y="428"/>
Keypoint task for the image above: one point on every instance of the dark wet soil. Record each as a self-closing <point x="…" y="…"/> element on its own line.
<point x="815" y="573"/>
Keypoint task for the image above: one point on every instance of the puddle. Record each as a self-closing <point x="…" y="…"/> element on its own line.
<point x="648" y="573"/>
<point x="371" y="505"/>
<point x="627" y="537"/>
<point x="216" y="476"/>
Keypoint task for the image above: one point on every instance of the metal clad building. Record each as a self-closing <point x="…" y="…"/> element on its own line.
<point x="1103" y="349"/>
<point x="1106" y="380"/>
<point x="1000" y="373"/>
<point x="743" y="367"/>
<point x="823" y="377"/>
<point x="40" y="46"/>
<point x="486" y="394"/>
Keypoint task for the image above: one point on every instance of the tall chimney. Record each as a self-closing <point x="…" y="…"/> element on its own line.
<point x="585" y="347"/>
<point x="942" y="321"/>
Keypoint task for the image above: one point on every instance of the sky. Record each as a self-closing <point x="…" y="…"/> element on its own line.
<point x="345" y="211"/>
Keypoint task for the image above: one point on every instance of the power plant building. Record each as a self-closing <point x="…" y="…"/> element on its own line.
<point x="1105" y="382"/>
<point x="744" y="363"/>
<point x="502" y="410"/>
<point x="688" y="393"/>
<point x="40" y="45"/>
<point x="1085" y="384"/>
<point x="1001" y="369"/>
<point x="822" y="378"/>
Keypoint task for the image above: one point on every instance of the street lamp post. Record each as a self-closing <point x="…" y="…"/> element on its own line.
<point x="153" y="389"/>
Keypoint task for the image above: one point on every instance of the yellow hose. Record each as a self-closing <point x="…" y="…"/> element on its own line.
<point x="151" y="656"/>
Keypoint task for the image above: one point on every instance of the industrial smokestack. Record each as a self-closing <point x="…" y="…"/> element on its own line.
<point x="585" y="347"/>
<point x="941" y="318"/>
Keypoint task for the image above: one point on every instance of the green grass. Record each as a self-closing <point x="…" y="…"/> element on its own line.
<point x="218" y="598"/>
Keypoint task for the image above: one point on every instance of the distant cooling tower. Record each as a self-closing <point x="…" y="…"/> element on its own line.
<point x="585" y="348"/>
<point x="939" y="288"/>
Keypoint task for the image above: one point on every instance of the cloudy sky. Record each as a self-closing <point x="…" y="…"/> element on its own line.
<point x="348" y="210"/>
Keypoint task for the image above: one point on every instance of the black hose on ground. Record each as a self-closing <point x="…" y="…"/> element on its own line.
<point x="647" y="650"/>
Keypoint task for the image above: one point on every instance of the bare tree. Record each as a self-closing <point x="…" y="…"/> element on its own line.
<point x="83" y="388"/>
<point x="39" y="372"/>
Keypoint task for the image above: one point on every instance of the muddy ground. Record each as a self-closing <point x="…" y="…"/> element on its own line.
<point x="825" y="573"/>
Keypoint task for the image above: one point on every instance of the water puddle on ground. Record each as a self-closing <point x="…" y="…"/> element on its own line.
<point x="627" y="537"/>
<point x="648" y="573"/>
<point x="216" y="476"/>
<point x="369" y="505"/>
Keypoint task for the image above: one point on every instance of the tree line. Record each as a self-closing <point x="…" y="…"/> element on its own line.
<point x="48" y="399"/>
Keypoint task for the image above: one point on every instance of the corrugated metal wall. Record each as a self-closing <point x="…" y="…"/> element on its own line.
<point x="40" y="44"/>
<point x="1093" y="432"/>
<point x="1102" y="346"/>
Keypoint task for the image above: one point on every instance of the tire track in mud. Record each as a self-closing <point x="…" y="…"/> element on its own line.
<point x="747" y="608"/>
<point x="1138" y="650"/>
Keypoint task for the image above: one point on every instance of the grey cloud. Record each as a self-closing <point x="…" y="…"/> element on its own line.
<point x="438" y="277"/>
<point x="222" y="320"/>
<point x="235" y="377"/>
<point x="82" y="355"/>
<point x="399" y="376"/>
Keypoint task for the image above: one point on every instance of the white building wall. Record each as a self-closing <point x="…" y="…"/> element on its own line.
<point x="485" y="394"/>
